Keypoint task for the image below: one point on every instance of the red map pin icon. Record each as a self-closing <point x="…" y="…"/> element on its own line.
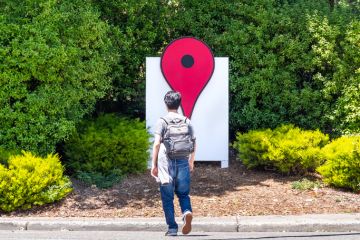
<point x="187" y="64"/>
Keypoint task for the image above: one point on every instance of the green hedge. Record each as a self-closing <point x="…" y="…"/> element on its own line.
<point x="29" y="180"/>
<point x="54" y="61"/>
<point x="284" y="57"/>
<point x="291" y="61"/>
<point x="106" y="148"/>
<point x="288" y="149"/>
<point x="342" y="166"/>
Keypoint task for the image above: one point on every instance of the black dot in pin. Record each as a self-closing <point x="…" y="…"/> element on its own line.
<point x="187" y="61"/>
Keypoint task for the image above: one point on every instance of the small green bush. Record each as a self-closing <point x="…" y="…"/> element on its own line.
<point x="305" y="184"/>
<point x="109" y="145"/>
<point x="99" y="179"/>
<point x="30" y="180"/>
<point x="342" y="166"/>
<point x="286" y="148"/>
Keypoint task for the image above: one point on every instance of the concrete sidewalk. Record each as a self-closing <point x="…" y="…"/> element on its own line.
<point x="297" y="223"/>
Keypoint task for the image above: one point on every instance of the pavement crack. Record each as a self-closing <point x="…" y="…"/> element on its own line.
<point x="237" y="224"/>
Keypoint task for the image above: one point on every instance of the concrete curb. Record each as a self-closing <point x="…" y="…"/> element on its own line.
<point x="301" y="223"/>
<point x="297" y="223"/>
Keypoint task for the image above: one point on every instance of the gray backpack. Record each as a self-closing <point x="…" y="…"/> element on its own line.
<point x="178" y="138"/>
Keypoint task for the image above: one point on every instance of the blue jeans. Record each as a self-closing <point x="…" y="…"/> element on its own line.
<point x="180" y="185"/>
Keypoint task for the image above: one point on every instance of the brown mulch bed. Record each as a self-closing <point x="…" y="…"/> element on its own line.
<point x="215" y="192"/>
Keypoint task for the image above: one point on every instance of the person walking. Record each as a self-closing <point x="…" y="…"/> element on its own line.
<point x="172" y="161"/>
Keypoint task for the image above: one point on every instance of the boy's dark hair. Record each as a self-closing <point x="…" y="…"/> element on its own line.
<point x="172" y="100"/>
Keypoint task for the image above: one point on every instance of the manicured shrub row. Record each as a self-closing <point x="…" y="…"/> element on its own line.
<point x="290" y="150"/>
<point x="287" y="148"/>
<point x="100" y="152"/>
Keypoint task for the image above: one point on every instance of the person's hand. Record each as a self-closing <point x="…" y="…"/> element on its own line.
<point x="191" y="166"/>
<point x="154" y="171"/>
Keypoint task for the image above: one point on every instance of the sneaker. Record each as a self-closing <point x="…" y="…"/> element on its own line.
<point x="171" y="232"/>
<point x="187" y="222"/>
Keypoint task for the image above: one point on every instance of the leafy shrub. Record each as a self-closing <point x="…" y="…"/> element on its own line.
<point x="108" y="145"/>
<point x="30" y="180"/>
<point x="306" y="184"/>
<point x="342" y="166"/>
<point x="54" y="61"/>
<point x="287" y="148"/>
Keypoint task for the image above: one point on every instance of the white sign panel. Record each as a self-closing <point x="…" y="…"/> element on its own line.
<point x="210" y="116"/>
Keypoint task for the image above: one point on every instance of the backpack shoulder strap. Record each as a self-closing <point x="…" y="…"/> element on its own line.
<point x="164" y="131"/>
<point x="165" y="121"/>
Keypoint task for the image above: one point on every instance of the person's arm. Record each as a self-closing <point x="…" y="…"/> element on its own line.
<point x="156" y="147"/>
<point x="192" y="155"/>
<point x="192" y="158"/>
